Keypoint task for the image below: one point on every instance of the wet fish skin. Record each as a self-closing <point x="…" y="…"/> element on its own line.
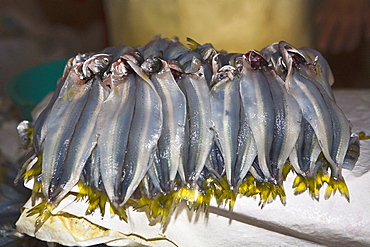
<point x="114" y="121"/>
<point x="40" y="124"/>
<point x="341" y="130"/>
<point x="81" y="143"/>
<point x="340" y="124"/>
<point x="153" y="64"/>
<point x="171" y="142"/>
<point x="156" y="44"/>
<point x="287" y="125"/>
<point x="90" y="174"/>
<point x="96" y="64"/>
<point x="199" y="114"/>
<point x="246" y="150"/>
<point x="310" y="100"/>
<point x="225" y="103"/>
<point x="353" y="152"/>
<point x="60" y="128"/>
<point x="319" y="69"/>
<point x="144" y="133"/>
<point x="274" y="56"/>
<point x="258" y="106"/>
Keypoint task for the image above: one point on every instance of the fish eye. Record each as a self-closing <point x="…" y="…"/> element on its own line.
<point x="105" y="60"/>
<point x="221" y="76"/>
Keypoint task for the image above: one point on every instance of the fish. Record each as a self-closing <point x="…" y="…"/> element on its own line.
<point x="200" y="136"/>
<point x="96" y="64"/>
<point x="353" y="152"/>
<point x="341" y="128"/>
<point x="174" y="50"/>
<point x="91" y="174"/>
<point x="275" y="59"/>
<point x="171" y="142"/>
<point x="310" y="149"/>
<point x="246" y="150"/>
<point x="225" y="103"/>
<point x="114" y="121"/>
<point x="258" y="106"/>
<point x="40" y="123"/>
<point x="287" y="124"/>
<point x="206" y="52"/>
<point x="80" y="145"/>
<point x="144" y="133"/>
<point x="59" y="131"/>
<point x="156" y="44"/>
<point x="318" y="69"/>
<point x="310" y="100"/>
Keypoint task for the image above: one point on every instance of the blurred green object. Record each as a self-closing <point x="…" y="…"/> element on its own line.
<point x="28" y="88"/>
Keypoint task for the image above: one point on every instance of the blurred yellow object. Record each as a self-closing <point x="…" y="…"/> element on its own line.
<point x="234" y="25"/>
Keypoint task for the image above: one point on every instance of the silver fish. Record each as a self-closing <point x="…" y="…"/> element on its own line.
<point x="171" y="142"/>
<point x="287" y="124"/>
<point x="319" y="69"/>
<point x="341" y="130"/>
<point x="40" y="124"/>
<point x="144" y="133"/>
<point x="96" y="64"/>
<point x="114" y="121"/>
<point x="258" y="106"/>
<point x="174" y="50"/>
<point x="310" y="148"/>
<point x="273" y="55"/>
<point x="353" y="152"/>
<point x="91" y="174"/>
<point x="80" y="145"/>
<point x="199" y="129"/>
<point x="246" y="150"/>
<point x="60" y="128"/>
<point x="225" y="103"/>
<point x="157" y="43"/>
<point x="310" y="100"/>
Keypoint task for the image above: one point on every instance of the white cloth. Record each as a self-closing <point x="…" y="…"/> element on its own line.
<point x="302" y="222"/>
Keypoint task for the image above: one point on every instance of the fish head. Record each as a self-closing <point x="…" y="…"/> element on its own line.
<point x="256" y="60"/>
<point x="292" y="55"/>
<point x="196" y="69"/>
<point x="133" y="56"/>
<point x="119" y="68"/>
<point x="82" y="57"/>
<point x="175" y="68"/>
<point x="153" y="64"/>
<point x="225" y="74"/>
<point x="68" y="66"/>
<point x="96" y="64"/>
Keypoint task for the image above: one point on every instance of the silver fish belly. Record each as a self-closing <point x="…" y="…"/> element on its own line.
<point x="60" y="129"/>
<point x="144" y="133"/>
<point x="246" y="150"/>
<point x="225" y="103"/>
<point x="171" y="142"/>
<point x="199" y="112"/>
<point x="114" y="122"/>
<point x="259" y="108"/>
<point x="312" y="104"/>
<point x="81" y="143"/>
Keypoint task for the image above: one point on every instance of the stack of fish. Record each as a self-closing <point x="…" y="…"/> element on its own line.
<point x="151" y="126"/>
